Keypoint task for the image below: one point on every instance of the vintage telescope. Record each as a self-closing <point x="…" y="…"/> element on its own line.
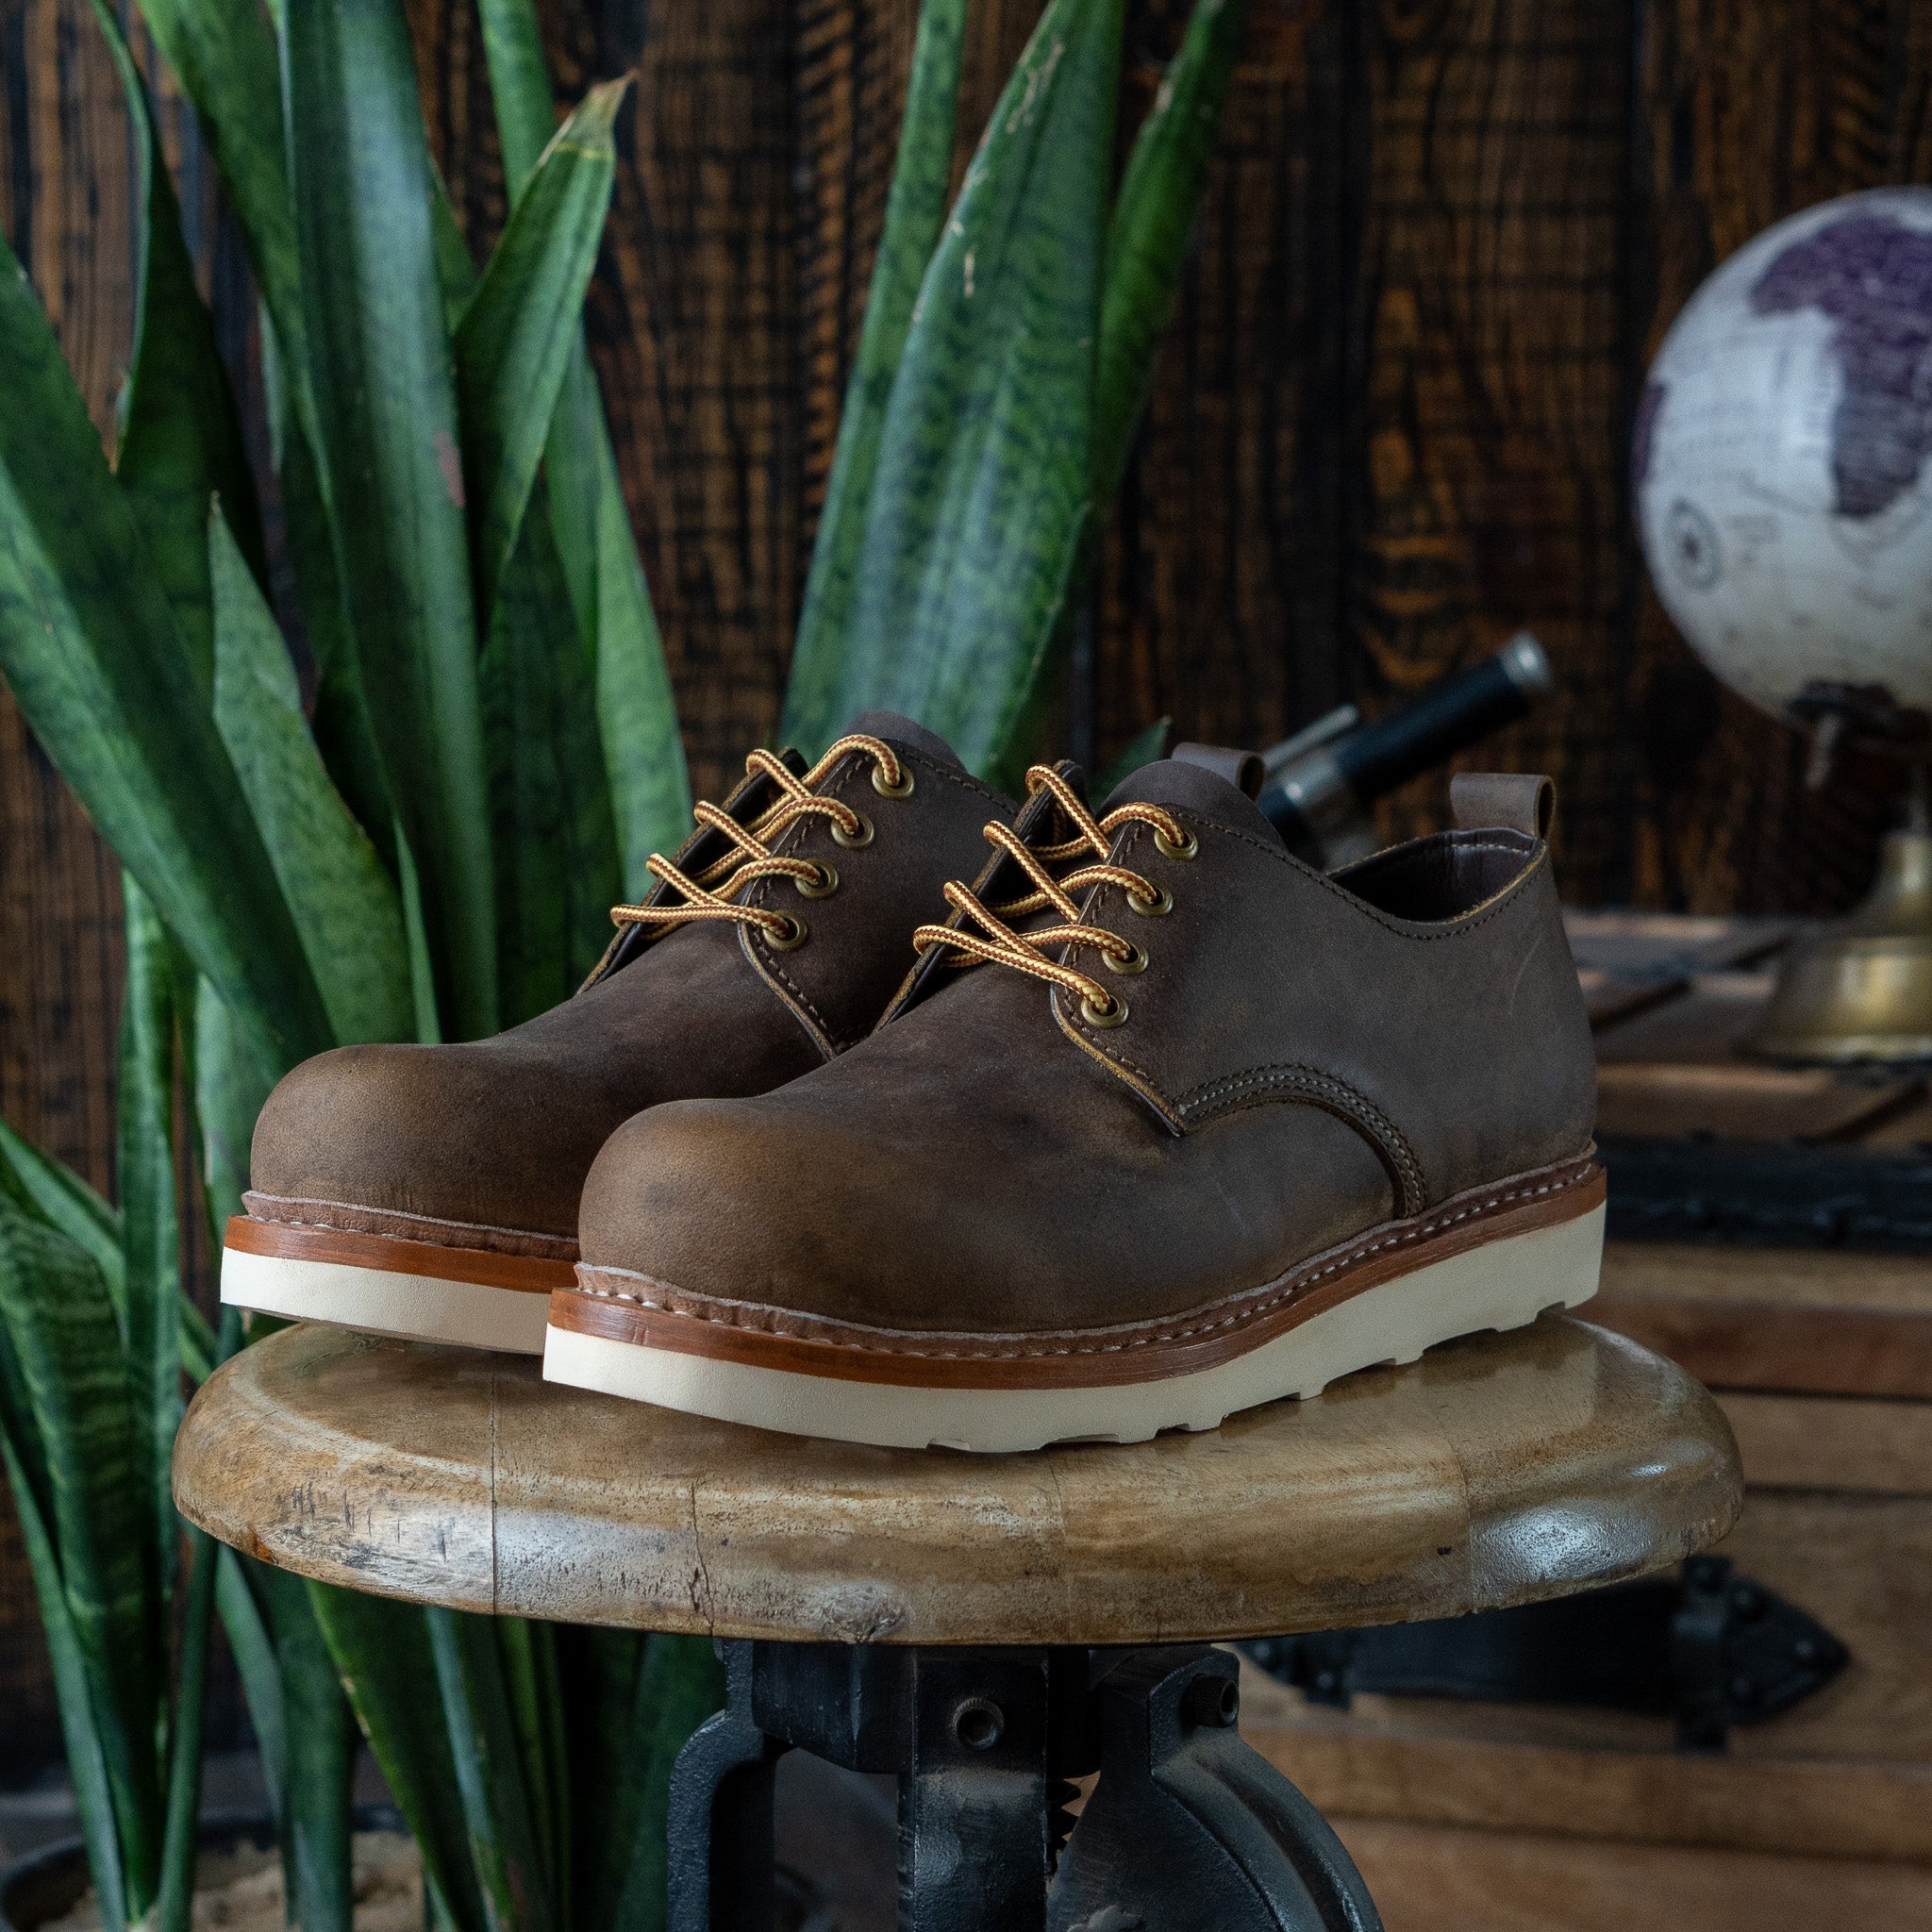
<point x="1323" y="783"/>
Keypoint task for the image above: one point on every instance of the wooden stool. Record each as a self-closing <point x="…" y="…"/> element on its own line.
<point x="987" y="1628"/>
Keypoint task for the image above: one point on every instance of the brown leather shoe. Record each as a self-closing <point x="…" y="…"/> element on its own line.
<point x="432" y="1190"/>
<point x="1215" y="1128"/>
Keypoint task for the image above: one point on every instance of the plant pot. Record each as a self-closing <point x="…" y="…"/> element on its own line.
<point x="48" y="1883"/>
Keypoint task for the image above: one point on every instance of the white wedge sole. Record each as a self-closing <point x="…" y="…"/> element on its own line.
<point x="386" y="1301"/>
<point x="1501" y="1284"/>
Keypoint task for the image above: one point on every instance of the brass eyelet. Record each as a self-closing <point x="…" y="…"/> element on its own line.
<point x="853" y="841"/>
<point x="823" y="886"/>
<point x="1136" y="961"/>
<point x="901" y="789"/>
<point x="1115" y="1015"/>
<point x="795" y="934"/>
<point x="1168" y="849"/>
<point x="1156" y="908"/>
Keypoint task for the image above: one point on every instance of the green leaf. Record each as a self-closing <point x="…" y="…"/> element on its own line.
<point x="223" y="54"/>
<point x="61" y="1334"/>
<point x="503" y="1828"/>
<point x="555" y="849"/>
<point x="973" y="525"/>
<point x="1141" y="749"/>
<point x="522" y="325"/>
<point x="149" y="1302"/>
<point x="51" y="1192"/>
<point x="637" y="712"/>
<point x="181" y="441"/>
<point x="915" y="213"/>
<point x="1153" y="218"/>
<point x="232" y="1082"/>
<point x="346" y="909"/>
<point x="380" y="365"/>
<point x="382" y="1651"/>
<point x="244" y="1622"/>
<point x="90" y="648"/>
<point x="320" y="1742"/>
<point x="519" y="86"/>
<point x="174" y="1905"/>
<point x="679" y="1687"/>
<point x="87" y="1763"/>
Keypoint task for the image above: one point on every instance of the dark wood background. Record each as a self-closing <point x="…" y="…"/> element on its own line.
<point x="1442" y="240"/>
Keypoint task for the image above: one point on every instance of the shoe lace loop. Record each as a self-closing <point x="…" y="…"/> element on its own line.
<point x="708" y="894"/>
<point x="996" y="941"/>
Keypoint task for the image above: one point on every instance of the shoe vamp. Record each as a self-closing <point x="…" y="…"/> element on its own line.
<point x="938" y="1182"/>
<point x="499" y="1133"/>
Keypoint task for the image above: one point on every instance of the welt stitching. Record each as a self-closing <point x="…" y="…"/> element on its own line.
<point x="1239" y="1317"/>
<point x="466" y="1247"/>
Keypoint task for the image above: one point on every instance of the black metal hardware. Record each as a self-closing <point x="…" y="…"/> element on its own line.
<point x="1709" y="1647"/>
<point x="1187" y="1828"/>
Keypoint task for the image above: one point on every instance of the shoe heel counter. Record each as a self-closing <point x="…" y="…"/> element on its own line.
<point x="1571" y="1047"/>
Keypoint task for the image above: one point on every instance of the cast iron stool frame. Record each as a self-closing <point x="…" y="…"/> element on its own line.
<point x="1188" y="1829"/>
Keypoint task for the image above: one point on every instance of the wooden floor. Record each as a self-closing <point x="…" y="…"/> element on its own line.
<point x="1435" y="1878"/>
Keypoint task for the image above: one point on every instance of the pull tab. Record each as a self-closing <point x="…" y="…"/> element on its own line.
<point x="1519" y="801"/>
<point x="1244" y="769"/>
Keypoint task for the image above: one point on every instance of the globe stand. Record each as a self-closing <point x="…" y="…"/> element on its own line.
<point x="1861" y="992"/>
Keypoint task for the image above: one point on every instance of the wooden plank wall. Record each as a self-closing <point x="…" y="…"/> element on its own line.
<point x="1442" y="239"/>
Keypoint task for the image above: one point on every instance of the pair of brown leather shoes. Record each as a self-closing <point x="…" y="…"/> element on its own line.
<point x="1160" y="1125"/>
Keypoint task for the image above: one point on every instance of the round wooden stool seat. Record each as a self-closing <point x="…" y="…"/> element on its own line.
<point x="1496" y="1471"/>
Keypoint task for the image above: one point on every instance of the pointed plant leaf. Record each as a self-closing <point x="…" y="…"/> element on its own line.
<point x="150" y="1300"/>
<point x="346" y="909"/>
<point x="90" y="648"/>
<point x="382" y="1651"/>
<point x="504" y="1837"/>
<point x="87" y="1764"/>
<point x="521" y="325"/>
<point x="223" y="54"/>
<point x="1152" y="217"/>
<point x="321" y="1744"/>
<point x="381" y="370"/>
<point x="554" y="845"/>
<point x="60" y="1332"/>
<point x="181" y="443"/>
<point x="915" y="213"/>
<point x="51" y="1192"/>
<point x="973" y="525"/>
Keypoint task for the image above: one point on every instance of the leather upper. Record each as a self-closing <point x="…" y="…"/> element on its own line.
<point x="1304" y="1058"/>
<point x="495" y="1135"/>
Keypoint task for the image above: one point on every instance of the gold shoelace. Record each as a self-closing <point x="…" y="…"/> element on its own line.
<point x="998" y="943"/>
<point x="708" y="894"/>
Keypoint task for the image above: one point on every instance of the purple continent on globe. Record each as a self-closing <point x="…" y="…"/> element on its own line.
<point x="1872" y="276"/>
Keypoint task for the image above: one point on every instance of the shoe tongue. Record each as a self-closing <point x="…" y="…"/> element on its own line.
<point x="897" y="730"/>
<point x="1193" y="787"/>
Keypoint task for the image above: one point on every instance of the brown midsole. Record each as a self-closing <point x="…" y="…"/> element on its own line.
<point x="525" y="1274"/>
<point x="1085" y="1359"/>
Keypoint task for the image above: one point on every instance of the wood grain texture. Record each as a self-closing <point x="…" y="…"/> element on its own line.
<point x="1427" y="1878"/>
<point x="1497" y="1470"/>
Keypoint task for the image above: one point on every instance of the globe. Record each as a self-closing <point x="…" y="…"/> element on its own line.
<point x="1783" y="487"/>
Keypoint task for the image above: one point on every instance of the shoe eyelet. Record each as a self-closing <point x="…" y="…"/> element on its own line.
<point x="1156" y="908"/>
<point x="823" y="887"/>
<point x="854" y="841"/>
<point x="1136" y="961"/>
<point x="901" y="789"/>
<point x="1115" y="1015"/>
<point x="1168" y="849"/>
<point x="795" y="934"/>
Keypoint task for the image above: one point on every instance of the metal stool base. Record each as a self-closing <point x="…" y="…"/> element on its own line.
<point x="1188" y="1829"/>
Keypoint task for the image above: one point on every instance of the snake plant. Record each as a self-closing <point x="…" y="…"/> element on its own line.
<point x="429" y="849"/>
